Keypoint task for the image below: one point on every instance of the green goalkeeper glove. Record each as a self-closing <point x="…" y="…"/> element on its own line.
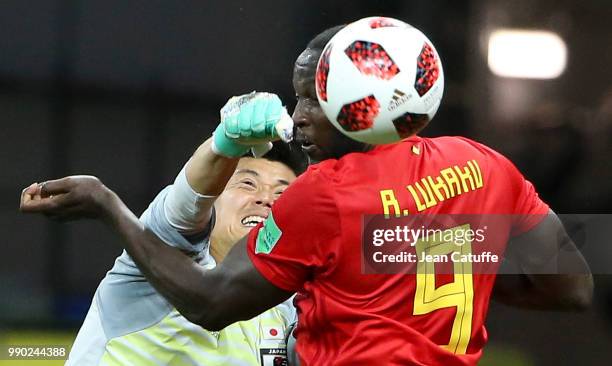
<point x="251" y="121"/>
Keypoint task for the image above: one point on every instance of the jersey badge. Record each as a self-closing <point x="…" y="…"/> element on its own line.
<point x="268" y="236"/>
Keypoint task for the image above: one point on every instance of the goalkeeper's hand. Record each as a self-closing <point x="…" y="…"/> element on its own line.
<point x="251" y="121"/>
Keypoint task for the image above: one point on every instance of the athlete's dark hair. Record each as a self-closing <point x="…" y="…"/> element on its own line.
<point x="321" y="39"/>
<point x="290" y="154"/>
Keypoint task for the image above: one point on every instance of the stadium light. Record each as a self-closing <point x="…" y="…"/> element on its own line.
<point x="527" y="54"/>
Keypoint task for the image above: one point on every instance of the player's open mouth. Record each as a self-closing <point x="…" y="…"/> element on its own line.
<point x="305" y="143"/>
<point x="308" y="147"/>
<point x="252" y="221"/>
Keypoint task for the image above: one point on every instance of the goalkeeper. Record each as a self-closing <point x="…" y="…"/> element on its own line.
<point x="215" y="200"/>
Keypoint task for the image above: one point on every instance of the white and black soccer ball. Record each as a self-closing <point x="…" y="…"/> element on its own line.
<point x="379" y="80"/>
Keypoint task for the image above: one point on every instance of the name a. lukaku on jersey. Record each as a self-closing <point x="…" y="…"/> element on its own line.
<point x="429" y="191"/>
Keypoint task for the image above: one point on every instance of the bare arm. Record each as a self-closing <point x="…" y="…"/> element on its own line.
<point x="553" y="273"/>
<point x="207" y="172"/>
<point x="213" y="299"/>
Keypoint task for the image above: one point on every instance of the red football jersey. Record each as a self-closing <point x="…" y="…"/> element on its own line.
<point x="311" y="244"/>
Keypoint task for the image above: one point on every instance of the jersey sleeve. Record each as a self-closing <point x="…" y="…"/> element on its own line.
<point x="529" y="210"/>
<point x="155" y="219"/>
<point x="187" y="210"/>
<point x="299" y="237"/>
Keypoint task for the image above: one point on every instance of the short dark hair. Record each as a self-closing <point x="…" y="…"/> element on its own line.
<point x="321" y="39"/>
<point x="289" y="154"/>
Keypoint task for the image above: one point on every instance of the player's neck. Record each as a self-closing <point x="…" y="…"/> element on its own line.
<point x="219" y="248"/>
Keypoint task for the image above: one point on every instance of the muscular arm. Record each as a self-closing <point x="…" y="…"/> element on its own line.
<point x="214" y="298"/>
<point x="232" y="291"/>
<point x="554" y="275"/>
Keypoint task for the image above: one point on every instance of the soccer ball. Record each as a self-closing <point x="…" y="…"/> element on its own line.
<point x="379" y="80"/>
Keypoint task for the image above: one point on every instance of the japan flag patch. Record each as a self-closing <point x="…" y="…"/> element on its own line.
<point x="273" y="333"/>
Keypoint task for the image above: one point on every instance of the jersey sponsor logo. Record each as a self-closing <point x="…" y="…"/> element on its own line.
<point x="268" y="236"/>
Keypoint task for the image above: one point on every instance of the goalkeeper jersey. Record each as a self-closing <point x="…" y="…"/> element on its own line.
<point x="130" y="323"/>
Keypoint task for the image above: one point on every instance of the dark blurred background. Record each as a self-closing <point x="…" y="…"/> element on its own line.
<point x="126" y="90"/>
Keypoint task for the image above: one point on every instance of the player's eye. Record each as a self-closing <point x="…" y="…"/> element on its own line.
<point x="248" y="184"/>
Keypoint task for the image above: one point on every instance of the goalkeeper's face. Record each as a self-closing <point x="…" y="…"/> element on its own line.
<point x="248" y="197"/>
<point x="318" y="137"/>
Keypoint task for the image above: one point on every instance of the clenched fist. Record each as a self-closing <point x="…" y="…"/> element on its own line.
<point x="251" y="121"/>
